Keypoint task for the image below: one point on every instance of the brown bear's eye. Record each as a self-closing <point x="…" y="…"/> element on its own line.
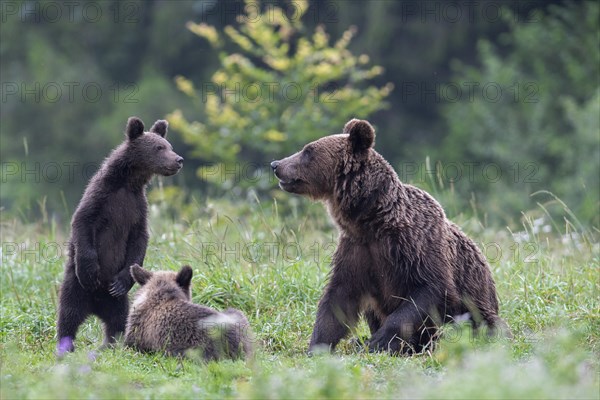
<point x="160" y="147"/>
<point x="308" y="152"/>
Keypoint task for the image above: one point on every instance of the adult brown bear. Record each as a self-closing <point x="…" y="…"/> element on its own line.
<point x="399" y="261"/>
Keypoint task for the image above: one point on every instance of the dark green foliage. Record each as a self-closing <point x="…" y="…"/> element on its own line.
<point x="137" y="52"/>
<point x="543" y="130"/>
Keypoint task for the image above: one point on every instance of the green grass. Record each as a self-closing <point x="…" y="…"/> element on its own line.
<point x="273" y="265"/>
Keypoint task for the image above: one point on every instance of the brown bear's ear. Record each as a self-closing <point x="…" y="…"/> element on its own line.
<point x="139" y="274"/>
<point x="360" y="134"/>
<point x="349" y="125"/>
<point x="160" y="127"/>
<point x="184" y="277"/>
<point x="135" y="128"/>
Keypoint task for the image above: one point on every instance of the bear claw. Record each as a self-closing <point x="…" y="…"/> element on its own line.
<point x="117" y="289"/>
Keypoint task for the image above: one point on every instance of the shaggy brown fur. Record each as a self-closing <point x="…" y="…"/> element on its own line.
<point x="399" y="261"/>
<point x="109" y="232"/>
<point x="163" y="318"/>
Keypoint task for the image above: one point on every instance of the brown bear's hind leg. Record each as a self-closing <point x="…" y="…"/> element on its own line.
<point x="498" y="328"/>
<point x="74" y="308"/>
<point x="113" y="313"/>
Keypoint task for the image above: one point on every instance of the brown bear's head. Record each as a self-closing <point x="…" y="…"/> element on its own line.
<point x="165" y="284"/>
<point x="150" y="151"/>
<point x="312" y="171"/>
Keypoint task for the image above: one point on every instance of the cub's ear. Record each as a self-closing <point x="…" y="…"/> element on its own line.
<point x="139" y="274"/>
<point x="135" y="128"/>
<point x="160" y="127"/>
<point x="184" y="277"/>
<point x="360" y="134"/>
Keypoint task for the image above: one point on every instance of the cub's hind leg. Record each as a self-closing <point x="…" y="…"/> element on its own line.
<point x="113" y="313"/>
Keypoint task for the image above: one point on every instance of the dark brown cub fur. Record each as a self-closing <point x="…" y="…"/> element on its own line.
<point x="109" y="232"/>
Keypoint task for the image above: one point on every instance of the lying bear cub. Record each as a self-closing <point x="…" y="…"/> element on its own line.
<point x="163" y="318"/>
<point x="399" y="261"/>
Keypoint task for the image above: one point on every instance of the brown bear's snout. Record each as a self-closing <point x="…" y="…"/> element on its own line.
<point x="286" y="171"/>
<point x="173" y="165"/>
<point x="177" y="161"/>
<point x="278" y="169"/>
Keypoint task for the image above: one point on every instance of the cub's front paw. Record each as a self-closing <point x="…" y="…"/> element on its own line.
<point x="117" y="288"/>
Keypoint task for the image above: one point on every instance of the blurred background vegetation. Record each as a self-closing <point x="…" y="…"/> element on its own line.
<point x="493" y="106"/>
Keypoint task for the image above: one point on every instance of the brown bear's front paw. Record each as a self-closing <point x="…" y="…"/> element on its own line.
<point x="390" y="343"/>
<point x="117" y="288"/>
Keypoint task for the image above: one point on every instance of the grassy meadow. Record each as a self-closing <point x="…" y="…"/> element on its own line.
<point x="271" y="261"/>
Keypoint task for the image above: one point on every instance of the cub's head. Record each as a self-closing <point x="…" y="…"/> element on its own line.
<point x="163" y="284"/>
<point x="312" y="170"/>
<point x="150" y="151"/>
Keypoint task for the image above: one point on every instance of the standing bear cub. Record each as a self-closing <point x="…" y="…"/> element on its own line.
<point x="109" y="233"/>
<point x="163" y="318"/>
<point x="399" y="261"/>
